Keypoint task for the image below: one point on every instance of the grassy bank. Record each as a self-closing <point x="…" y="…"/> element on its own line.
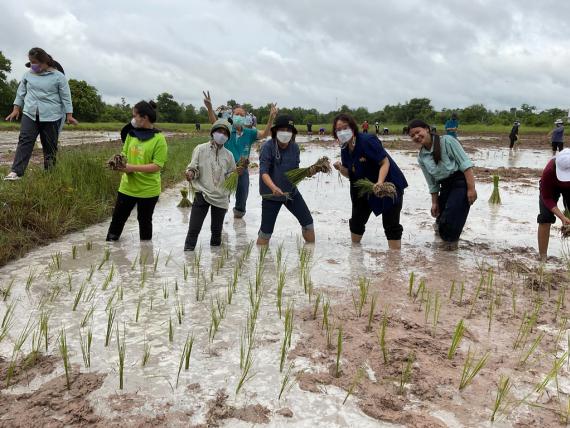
<point x="79" y="192"/>
<point x="395" y="128"/>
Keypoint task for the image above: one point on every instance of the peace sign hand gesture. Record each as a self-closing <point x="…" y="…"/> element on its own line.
<point x="207" y="100"/>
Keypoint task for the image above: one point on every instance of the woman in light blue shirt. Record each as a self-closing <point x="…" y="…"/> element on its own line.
<point x="44" y="97"/>
<point x="449" y="175"/>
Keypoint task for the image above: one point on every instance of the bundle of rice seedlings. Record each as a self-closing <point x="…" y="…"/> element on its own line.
<point x="366" y="187"/>
<point x="295" y="176"/>
<point x="231" y="182"/>
<point x="185" y="202"/>
<point x="495" y="196"/>
<point x="117" y="162"/>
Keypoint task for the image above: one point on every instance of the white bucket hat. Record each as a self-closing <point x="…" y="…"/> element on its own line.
<point x="558" y="122"/>
<point x="563" y="165"/>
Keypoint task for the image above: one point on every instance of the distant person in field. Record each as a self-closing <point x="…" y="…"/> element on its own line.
<point x="377" y="125"/>
<point x="321" y="131"/>
<point x="197" y="125"/>
<point x="554" y="182"/>
<point x="145" y="150"/>
<point x="310" y="128"/>
<point x="365" y="127"/>
<point x="239" y="144"/>
<point x="557" y="136"/>
<point x="452" y="125"/>
<point x="514" y="134"/>
<point x="449" y="174"/>
<point x="44" y="97"/>
<point x="386" y="131"/>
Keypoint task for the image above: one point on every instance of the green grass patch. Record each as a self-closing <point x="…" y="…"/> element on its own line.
<point x="78" y="192"/>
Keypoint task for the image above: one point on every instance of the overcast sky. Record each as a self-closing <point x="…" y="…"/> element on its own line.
<point x="310" y="53"/>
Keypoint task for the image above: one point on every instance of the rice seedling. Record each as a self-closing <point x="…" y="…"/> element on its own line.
<point x="287" y="382"/>
<point x="279" y="257"/>
<point x="428" y="307"/>
<point x="526" y="355"/>
<point x="452" y="290"/>
<point x="8" y="315"/>
<point x="78" y="295"/>
<point x="471" y="368"/>
<point x="64" y="352"/>
<point x="89" y="245"/>
<point x="326" y="312"/>
<point x="526" y="327"/>
<point x="560" y="301"/>
<point x="105" y="259"/>
<point x="215" y="321"/>
<point x="44" y="327"/>
<point x="295" y="176"/>
<point x="406" y="374"/>
<point x="5" y="292"/>
<point x="245" y="372"/>
<point x="196" y="261"/>
<point x="461" y="293"/>
<point x="436" y="313"/>
<point x="146" y="352"/>
<point x="231" y="182"/>
<point x="288" y="324"/>
<point x="503" y="390"/>
<point x="54" y="293"/>
<point x="90" y="295"/>
<point x="111" y="313"/>
<point x="316" y="306"/>
<point x="86" y="347"/>
<point x="420" y="292"/>
<point x="370" y="312"/>
<point x="185" y="271"/>
<point x="134" y="263"/>
<point x="360" y="300"/>
<point x="411" y="284"/>
<point x="552" y="374"/>
<point x="338" y="352"/>
<point x="495" y="196"/>
<point x="91" y="272"/>
<point x="365" y="187"/>
<point x="382" y="336"/>
<point x="490" y="313"/>
<point x="229" y="291"/>
<point x="188" y="350"/>
<point x="170" y="330"/>
<point x="30" y="279"/>
<point x="329" y="335"/>
<point x="456" y="340"/>
<point x="307" y="283"/>
<point x="476" y="296"/>
<point x="156" y="258"/>
<point x="88" y="316"/>
<point x="355" y="381"/>
<point x="121" y="350"/>
<point x="74" y="252"/>
<point x="184" y="202"/>
<point x="69" y="281"/>
<point x="111" y="299"/>
<point x="165" y="292"/>
<point x="18" y="343"/>
<point x="56" y="261"/>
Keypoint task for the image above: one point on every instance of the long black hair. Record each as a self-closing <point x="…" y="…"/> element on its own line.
<point x="43" y="57"/>
<point x="146" y="108"/>
<point x="435" y="140"/>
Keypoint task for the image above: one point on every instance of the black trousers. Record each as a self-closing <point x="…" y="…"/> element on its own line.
<point x="361" y="213"/>
<point x="122" y="211"/>
<point x="199" y="212"/>
<point x="29" y="131"/>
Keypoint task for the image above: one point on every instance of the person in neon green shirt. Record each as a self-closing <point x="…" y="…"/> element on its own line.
<point x="145" y="150"/>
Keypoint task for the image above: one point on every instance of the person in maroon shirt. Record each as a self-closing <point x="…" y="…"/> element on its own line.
<point x="555" y="181"/>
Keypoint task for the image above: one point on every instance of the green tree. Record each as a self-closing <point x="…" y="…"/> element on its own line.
<point x="168" y="109"/>
<point x="7" y="89"/>
<point x="87" y="103"/>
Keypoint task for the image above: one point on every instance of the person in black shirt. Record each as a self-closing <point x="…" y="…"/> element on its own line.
<point x="514" y="135"/>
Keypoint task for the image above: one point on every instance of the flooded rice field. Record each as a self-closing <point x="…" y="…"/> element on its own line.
<point x="330" y="334"/>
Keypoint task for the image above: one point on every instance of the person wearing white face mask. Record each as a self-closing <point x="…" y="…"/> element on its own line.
<point x="363" y="157"/>
<point x="239" y="144"/>
<point x="279" y="155"/>
<point x="211" y="164"/>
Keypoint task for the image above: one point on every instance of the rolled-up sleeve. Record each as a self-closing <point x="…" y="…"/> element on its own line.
<point x="265" y="159"/>
<point x="65" y="94"/>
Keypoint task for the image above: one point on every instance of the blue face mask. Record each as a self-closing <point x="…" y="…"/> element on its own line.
<point x="36" y="68"/>
<point x="238" y="120"/>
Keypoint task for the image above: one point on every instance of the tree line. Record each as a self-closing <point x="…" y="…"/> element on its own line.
<point x="90" y="107"/>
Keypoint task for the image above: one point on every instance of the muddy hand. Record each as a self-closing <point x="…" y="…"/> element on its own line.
<point x="435" y="210"/>
<point x="240" y="170"/>
<point x="189" y="175"/>
<point x="471" y="196"/>
<point x="13" y="116"/>
<point x="337" y="165"/>
<point x="277" y="191"/>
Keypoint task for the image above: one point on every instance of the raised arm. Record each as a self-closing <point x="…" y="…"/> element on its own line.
<point x="208" y="104"/>
<point x="267" y="130"/>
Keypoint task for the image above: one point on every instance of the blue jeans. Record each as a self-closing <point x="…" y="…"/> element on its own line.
<point x="453" y="207"/>
<point x="241" y="194"/>
<point x="296" y="206"/>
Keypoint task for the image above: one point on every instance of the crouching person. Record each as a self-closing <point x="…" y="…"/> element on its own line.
<point x="279" y="155"/>
<point x="211" y="164"/>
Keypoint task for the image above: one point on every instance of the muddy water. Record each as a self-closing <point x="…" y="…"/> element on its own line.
<point x="216" y="365"/>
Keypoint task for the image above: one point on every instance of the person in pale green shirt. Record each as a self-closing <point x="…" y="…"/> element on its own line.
<point x="449" y="174"/>
<point x="145" y="150"/>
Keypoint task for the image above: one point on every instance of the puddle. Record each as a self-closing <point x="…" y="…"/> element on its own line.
<point x="215" y="365"/>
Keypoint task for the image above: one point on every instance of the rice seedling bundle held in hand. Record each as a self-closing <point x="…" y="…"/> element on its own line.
<point x="185" y="202"/>
<point x="366" y="187"/>
<point x="117" y="162"/>
<point x="295" y="176"/>
<point x="231" y="182"/>
<point x="495" y="196"/>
